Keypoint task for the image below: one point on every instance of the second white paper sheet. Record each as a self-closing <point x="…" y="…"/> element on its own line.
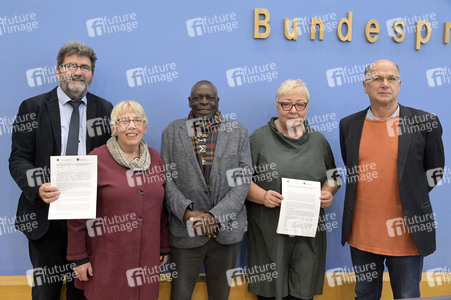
<point x="76" y="178"/>
<point x="300" y="207"/>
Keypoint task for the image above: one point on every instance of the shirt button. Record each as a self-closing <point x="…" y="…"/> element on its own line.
<point x="140" y="192"/>
<point x="140" y="219"/>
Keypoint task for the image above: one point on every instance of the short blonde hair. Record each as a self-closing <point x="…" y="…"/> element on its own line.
<point x="124" y="107"/>
<point x="293" y="86"/>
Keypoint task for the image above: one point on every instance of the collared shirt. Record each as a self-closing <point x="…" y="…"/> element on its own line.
<point x="371" y="116"/>
<point x="65" y="114"/>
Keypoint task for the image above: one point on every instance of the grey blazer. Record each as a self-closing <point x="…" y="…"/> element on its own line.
<point x="188" y="189"/>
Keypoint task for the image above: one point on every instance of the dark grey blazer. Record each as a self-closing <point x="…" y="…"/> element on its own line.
<point x="188" y="189"/>
<point x="32" y="149"/>
<point x="418" y="152"/>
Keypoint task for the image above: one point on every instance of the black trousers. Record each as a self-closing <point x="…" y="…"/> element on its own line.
<point x="217" y="260"/>
<point x="50" y="267"/>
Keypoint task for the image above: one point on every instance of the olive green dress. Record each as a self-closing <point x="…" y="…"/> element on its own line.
<point x="299" y="261"/>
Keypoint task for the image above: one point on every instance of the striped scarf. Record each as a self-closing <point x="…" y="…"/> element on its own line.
<point x="205" y="135"/>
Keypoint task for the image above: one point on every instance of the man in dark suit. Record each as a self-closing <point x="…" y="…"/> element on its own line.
<point x="55" y="120"/>
<point x="393" y="155"/>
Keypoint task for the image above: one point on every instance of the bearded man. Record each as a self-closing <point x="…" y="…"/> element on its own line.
<point x="65" y="121"/>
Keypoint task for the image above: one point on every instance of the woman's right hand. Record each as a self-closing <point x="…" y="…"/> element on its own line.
<point x="81" y="271"/>
<point x="272" y="199"/>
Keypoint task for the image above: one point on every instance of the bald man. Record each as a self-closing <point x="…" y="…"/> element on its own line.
<point x="394" y="156"/>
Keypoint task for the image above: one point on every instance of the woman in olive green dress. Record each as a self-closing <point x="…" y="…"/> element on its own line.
<point x="287" y="148"/>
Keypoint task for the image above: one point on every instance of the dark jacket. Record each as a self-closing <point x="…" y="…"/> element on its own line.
<point x="29" y="162"/>
<point x="420" y="148"/>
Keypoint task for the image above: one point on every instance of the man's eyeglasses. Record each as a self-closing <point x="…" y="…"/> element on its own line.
<point x="380" y="79"/>
<point x="126" y="121"/>
<point x="74" y="67"/>
<point x="288" y="106"/>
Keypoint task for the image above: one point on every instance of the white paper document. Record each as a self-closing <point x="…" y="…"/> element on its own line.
<point x="299" y="211"/>
<point x="76" y="178"/>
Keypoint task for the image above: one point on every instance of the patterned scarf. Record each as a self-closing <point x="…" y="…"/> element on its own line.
<point x="204" y="136"/>
<point x="139" y="164"/>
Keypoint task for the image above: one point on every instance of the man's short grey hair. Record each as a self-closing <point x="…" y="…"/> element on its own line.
<point x="75" y="47"/>
<point x="369" y="67"/>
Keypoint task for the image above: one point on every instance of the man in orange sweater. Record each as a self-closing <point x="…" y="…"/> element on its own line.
<point x="394" y="157"/>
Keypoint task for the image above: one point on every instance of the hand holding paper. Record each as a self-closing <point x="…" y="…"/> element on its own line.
<point x="76" y="179"/>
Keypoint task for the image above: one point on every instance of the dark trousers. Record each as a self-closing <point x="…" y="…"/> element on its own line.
<point x="217" y="260"/>
<point x="274" y="298"/>
<point x="50" y="267"/>
<point x="405" y="274"/>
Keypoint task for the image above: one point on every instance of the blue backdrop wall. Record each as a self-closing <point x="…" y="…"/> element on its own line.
<point x="154" y="51"/>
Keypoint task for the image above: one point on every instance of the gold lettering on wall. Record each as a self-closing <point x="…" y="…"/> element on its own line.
<point x="446" y="35"/>
<point x="419" y="39"/>
<point x="372" y="27"/>
<point x="313" y="23"/>
<point x="348" y="22"/>
<point x="398" y="30"/>
<point x="293" y="35"/>
<point x="261" y="23"/>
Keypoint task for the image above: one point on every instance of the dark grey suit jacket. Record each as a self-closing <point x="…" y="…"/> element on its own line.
<point x="29" y="162"/>
<point x="419" y="150"/>
<point x="188" y="189"/>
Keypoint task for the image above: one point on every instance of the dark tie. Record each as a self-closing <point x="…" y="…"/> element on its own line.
<point x="74" y="128"/>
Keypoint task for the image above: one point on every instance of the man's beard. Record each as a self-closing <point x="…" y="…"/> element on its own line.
<point x="75" y="87"/>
